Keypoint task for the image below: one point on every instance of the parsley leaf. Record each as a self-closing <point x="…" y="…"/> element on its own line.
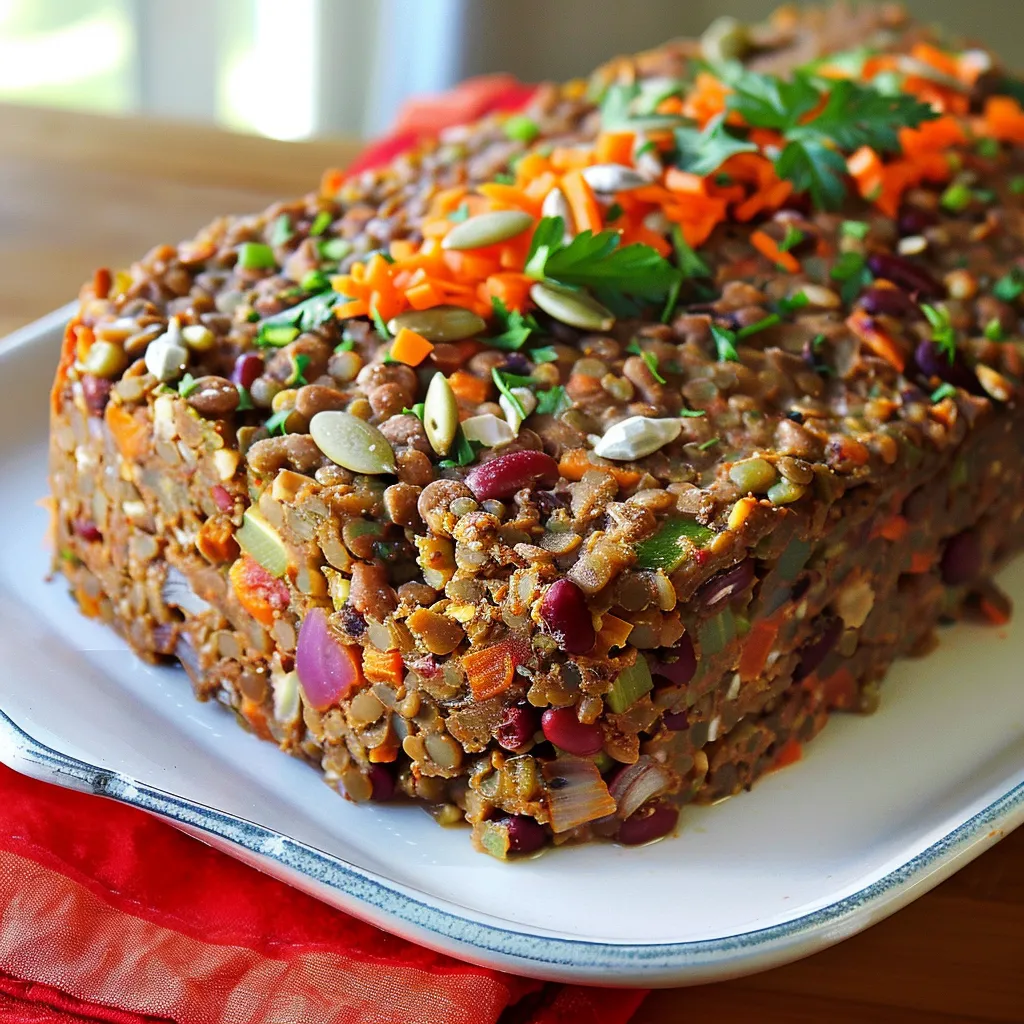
<point x="785" y="306"/>
<point x="552" y="402"/>
<point x="505" y="382"/>
<point x="994" y="330"/>
<point x="945" y="390"/>
<point x="547" y="354"/>
<point x="725" y="342"/>
<point x="464" y="452"/>
<point x="321" y="223"/>
<point x="814" y="167"/>
<point x="187" y="385"/>
<point x="701" y="152"/>
<point x="516" y="327"/>
<point x="794" y="236"/>
<point x="943" y="332"/>
<point x="305" y="316"/>
<point x="1011" y="287"/>
<point x="852" y="269"/>
<point x="416" y="410"/>
<point x="627" y="107"/>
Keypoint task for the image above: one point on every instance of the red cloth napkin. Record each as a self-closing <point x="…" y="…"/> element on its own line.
<point x="108" y="914"/>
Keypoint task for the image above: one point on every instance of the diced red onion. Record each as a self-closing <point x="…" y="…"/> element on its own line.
<point x="637" y="783"/>
<point x="87" y="530"/>
<point x="567" y="617"/>
<point x="563" y="728"/>
<point x="503" y="476"/>
<point x="814" y="653"/>
<point x="648" y="825"/>
<point x="727" y="584"/>
<point x="188" y="656"/>
<point x="177" y="592"/>
<point x="222" y="498"/>
<point x="676" y="721"/>
<point x="326" y="670"/>
<point x="906" y="275"/>
<point x="962" y="559"/>
<point x="576" y="793"/>
<point x="383" y="782"/>
<point x="682" y="666"/>
<point x="96" y="392"/>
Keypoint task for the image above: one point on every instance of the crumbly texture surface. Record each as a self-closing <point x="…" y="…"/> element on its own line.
<point x="554" y="553"/>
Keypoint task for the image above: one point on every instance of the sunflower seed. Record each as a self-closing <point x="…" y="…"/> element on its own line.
<point x="440" y="414"/>
<point x="577" y="309"/>
<point x="725" y="39"/>
<point x="637" y="436"/>
<point x="351" y="442"/>
<point x="613" y="178"/>
<point x="488" y="429"/>
<point x="487" y="229"/>
<point x="440" y="323"/>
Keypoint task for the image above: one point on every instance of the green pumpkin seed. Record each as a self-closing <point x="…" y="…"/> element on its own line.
<point x="351" y="442"/>
<point x="440" y="323"/>
<point x="556" y="205"/>
<point x="753" y="475"/>
<point x="785" y="491"/>
<point x="577" y="309"/>
<point x="613" y="178"/>
<point x="440" y="414"/>
<point x="725" y="39"/>
<point x="261" y="542"/>
<point x="487" y="229"/>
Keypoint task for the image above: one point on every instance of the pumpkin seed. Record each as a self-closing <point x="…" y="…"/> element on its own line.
<point x="785" y="491"/>
<point x="725" y="39"/>
<point x="637" y="436"/>
<point x="556" y="205"/>
<point x="577" y="309"/>
<point x="261" y="542"/>
<point x="105" y="359"/>
<point x="440" y="323"/>
<point x="440" y="414"/>
<point x="351" y="442"/>
<point x="489" y="430"/>
<point x="487" y="229"/>
<point x="613" y="178"/>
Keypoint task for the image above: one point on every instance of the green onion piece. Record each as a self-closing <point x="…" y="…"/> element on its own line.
<point x="547" y="354"/>
<point x="277" y="424"/>
<point x="187" y="385"/>
<point x="725" y="343"/>
<point x="957" y="197"/>
<point x="281" y="232"/>
<point x="855" y="229"/>
<point x="506" y="391"/>
<point x="709" y="444"/>
<point x="276" y="335"/>
<point x="345" y="345"/>
<point x="945" y="390"/>
<point x="553" y="401"/>
<point x="674" y="542"/>
<point x="416" y="410"/>
<point x="256" y="256"/>
<point x="690" y="413"/>
<point x="261" y="542"/>
<point x="794" y="236"/>
<point x="379" y="325"/>
<point x="334" y="249"/>
<point x="321" y="223"/>
<point x="315" y="281"/>
<point x="651" y="361"/>
<point x="762" y="325"/>
<point x="521" y="128"/>
<point x="244" y="399"/>
<point x="994" y="330"/>
<point x="630" y="685"/>
<point x="988" y="148"/>
<point x="716" y="634"/>
<point x="1017" y="186"/>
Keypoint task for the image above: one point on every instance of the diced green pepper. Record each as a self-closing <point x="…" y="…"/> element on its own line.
<point x="256" y="256"/>
<point x="670" y="546"/>
<point x="717" y="633"/>
<point x="632" y="684"/>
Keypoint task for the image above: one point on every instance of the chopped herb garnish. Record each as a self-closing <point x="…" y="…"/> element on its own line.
<point x="988" y="148"/>
<point x="321" y="222"/>
<point x="852" y="269"/>
<point x="506" y="390"/>
<point x="460" y="214"/>
<point x="1017" y="186"/>
<point x="553" y="401"/>
<point x="943" y="332"/>
<point x="855" y="229"/>
<point x="985" y="195"/>
<point x="503" y="178"/>
<point x="379" y="325"/>
<point x="599" y="262"/>
<point x="256" y="256"/>
<point x="650" y="146"/>
<point x="315" y="281"/>
<point x="709" y="444"/>
<point x="335" y="249"/>
<point x="994" y="330"/>
<point x="521" y="128"/>
<point x="244" y="399"/>
<point x="704" y="151"/>
<point x="464" y="452"/>
<point x="416" y="410"/>
<point x="689" y="264"/>
<point x="300" y="363"/>
<point x="945" y="390"/>
<point x="817" y="341"/>
<point x="794" y="236"/>
<point x="651" y="360"/>
<point x="615" y="211"/>
<point x="187" y="385"/>
<point x="634" y="347"/>
<point x="1010" y="287"/>
<point x="625" y="107"/>
<point x="346" y="344"/>
<point x="792" y="304"/>
<point x="762" y="325"/>
<point x="957" y="197"/>
<point x="725" y="343"/>
<point x="547" y="354"/>
<point x="281" y="232"/>
<point x="277" y="424"/>
<point x="305" y="316"/>
<point x="276" y="335"/>
<point x="515" y="327"/>
<point x="690" y="413"/>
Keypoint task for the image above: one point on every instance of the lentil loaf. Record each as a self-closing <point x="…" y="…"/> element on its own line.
<point x="580" y="463"/>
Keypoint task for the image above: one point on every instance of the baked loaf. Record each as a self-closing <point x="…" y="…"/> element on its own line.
<point x="577" y="464"/>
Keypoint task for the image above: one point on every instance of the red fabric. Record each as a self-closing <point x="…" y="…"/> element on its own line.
<point x="108" y="915"/>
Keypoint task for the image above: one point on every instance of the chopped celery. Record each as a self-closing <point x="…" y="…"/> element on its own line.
<point x="632" y="684"/>
<point x="494" y="839"/>
<point x="668" y="548"/>
<point x="261" y="542"/>
<point x="717" y="633"/>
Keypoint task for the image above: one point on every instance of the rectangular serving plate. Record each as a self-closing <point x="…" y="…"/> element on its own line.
<point x="879" y="810"/>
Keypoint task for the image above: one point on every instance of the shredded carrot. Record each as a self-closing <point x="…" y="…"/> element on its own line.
<point x="756" y="647"/>
<point x="586" y="212"/>
<point x="865" y="328"/>
<point x="767" y="246"/>
<point x="383" y="666"/>
<point x="410" y="348"/>
<point x="89" y="604"/>
<point x="471" y="390"/>
<point x="489" y="670"/>
<point x="259" y="593"/>
<point x="130" y="436"/>
<point x="789" y="753"/>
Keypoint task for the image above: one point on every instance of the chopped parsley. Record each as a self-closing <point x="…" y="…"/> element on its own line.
<point x="704" y="151"/>
<point x="416" y="410"/>
<point x="315" y="281"/>
<point x="651" y="360"/>
<point x="1010" y="287"/>
<point x="459" y="214"/>
<point x="957" y="197"/>
<point x="281" y="231"/>
<point x="994" y="330"/>
<point x="794" y="236"/>
<point x="281" y="328"/>
<point x="855" y="229"/>
<point x="547" y="354"/>
<point x="347" y="344"/>
<point x="852" y="270"/>
<point x="321" y="222"/>
<point x="505" y="382"/>
<point x="943" y="332"/>
<point x="187" y="385"/>
<point x="515" y="327"/>
<point x="1017" y="185"/>
<point x="792" y="304"/>
<point x="552" y="402"/>
<point x="988" y="148"/>
<point x="689" y="264"/>
<point x="464" y="452"/>
<point x="945" y="390"/>
<point x="379" y="325"/>
<point x="725" y="343"/>
<point x="503" y="178"/>
<point x="614" y="212"/>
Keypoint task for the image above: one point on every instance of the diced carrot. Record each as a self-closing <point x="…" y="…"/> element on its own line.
<point x="865" y="328"/>
<point x="511" y="288"/>
<point x="410" y="348"/>
<point x="568" y="158"/>
<point x="894" y="529"/>
<point x="614" y="148"/>
<point x="767" y="246"/>
<point x="684" y="181"/>
<point x="537" y="188"/>
<point x="402" y="249"/>
<point x="789" y="753"/>
<point x="509" y="196"/>
<point x="469" y="389"/>
<point x="613" y="633"/>
<point x="87" y="603"/>
<point x="331" y="182"/>
<point x="575" y="462"/>
<point x="448" y="200"/>
<point x="583" y="203"/>
<point x="357" y="307"/>
<point x="388" y="303"/>
<point x="424" y="296"/>
<point x="1004" y="119"/>
<point x="383" y="666"/>
<point x="489" y="670"/>
<point x="921" y="562"/>
<point x="533" y="165"/>
<point x="757" y="645"/>
<point x="130" y="435"/>
<point x="259" y="593"/>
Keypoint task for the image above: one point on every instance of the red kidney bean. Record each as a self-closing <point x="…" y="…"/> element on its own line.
<point x="518" y="724"/>
<point x="567" y="617"/>
<point x="678" y="664"/>
<point x="96" y="392"/>
<point x="248" y="367"/>
<point x="961" y="561"/>
<point x="87" y="530"/>
<point x="676" y="721"/>
<point x="889" y="302"/>
<point x="222" y="498"/>
<point x="650" y="822"/>
<point x="524" y="834"/>
<point x="914" y="221"/>
<point x="382" y="781"/>
<point x="814" y="653"/>
<point x="503" y="476"/>
<point x="727" y="584"/>
<point x="905" y="274"/>
<point x="565" y="730"/>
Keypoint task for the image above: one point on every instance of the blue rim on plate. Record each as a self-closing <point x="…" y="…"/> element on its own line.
<point x="538" y="955"/>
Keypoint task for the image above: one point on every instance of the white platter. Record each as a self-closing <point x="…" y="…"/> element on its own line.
<point x="878" y="811"/>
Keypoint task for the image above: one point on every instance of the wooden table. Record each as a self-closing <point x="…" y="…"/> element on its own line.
<point x="78" y="191"/>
